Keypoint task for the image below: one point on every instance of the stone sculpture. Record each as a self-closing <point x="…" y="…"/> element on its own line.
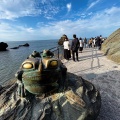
<point x="72" y="99"/>
<point x="40" y="75"/>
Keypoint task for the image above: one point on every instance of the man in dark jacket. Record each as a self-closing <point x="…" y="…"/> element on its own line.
<point x="98" y="42"/>
<point x="74" y="47"/>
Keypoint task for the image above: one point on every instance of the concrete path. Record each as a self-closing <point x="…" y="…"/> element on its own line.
<point x="105" y="75"/>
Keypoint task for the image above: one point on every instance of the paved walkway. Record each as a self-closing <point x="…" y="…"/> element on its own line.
<point x="105" y="75"/>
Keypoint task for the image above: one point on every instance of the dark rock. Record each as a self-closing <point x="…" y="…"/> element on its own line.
<point x="62" y="39"/>
<point x="26" y="45"/>
<point x="3" y="46"/>
<point x="14" y="48"/>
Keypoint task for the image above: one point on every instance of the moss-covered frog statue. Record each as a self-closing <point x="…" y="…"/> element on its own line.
<point x="40" y="75"/>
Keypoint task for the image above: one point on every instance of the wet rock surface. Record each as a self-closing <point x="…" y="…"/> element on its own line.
<point x="79" y="100"/>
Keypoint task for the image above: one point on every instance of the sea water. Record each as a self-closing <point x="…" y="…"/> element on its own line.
<point x="11" y="59"/>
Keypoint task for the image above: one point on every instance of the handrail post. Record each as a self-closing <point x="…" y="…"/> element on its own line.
<point x="58" y="52"/>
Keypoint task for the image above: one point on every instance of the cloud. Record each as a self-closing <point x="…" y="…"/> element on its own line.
<point x="93" y="4"/>
<point x="100" y="23"/>
<point x="112" y="11"/>
<point x="11" y="9"/>
<point x="69" y="7"/>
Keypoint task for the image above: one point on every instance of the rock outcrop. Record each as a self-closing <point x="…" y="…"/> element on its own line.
<point x="24" y="45"/>
<point x="79" y="100"/>
<point x="3" y="46"/>
<point x="111" y="46"/>
<point x="61" y="40"/>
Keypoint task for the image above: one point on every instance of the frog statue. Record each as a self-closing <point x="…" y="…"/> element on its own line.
<point x="40" y="74"/>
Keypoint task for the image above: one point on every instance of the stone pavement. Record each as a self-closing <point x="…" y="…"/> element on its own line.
<point x="105" y="75"/>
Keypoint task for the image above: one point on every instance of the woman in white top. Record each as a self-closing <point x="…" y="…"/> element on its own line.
<point x="81" y="45"/>
<point x="66" y="45"/>
<point x="94" y="42"/>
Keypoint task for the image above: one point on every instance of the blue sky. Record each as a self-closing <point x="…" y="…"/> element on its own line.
<point x="50" y="19"/>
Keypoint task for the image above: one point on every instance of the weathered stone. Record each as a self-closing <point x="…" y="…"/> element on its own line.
<point x="39" y="75"/>
<point x="62" y="39"/>
<point x="49" y="93"/>
<point x="111" y="46"/>
<point x="79" y="101"/>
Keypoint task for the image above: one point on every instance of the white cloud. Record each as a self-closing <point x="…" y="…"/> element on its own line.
<point x="112" y="11"/>
<point x="90" y="13"/>
<point x="93" y="4"/>
<point x="30" y="30"/>
<point x="11" y="9"/>
<point x="69" y="7"/>
<point x="102" y="23"/>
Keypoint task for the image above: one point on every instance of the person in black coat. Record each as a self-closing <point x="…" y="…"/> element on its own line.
<point x="74" y="47"/>
<point x="98" y="42"/>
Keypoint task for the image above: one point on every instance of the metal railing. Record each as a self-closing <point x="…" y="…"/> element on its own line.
<point x="57" y="51"/>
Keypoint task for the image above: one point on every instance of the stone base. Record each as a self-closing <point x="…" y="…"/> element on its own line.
<point x="79" y="100"/>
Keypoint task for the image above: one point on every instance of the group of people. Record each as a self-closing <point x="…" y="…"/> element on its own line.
<point x="73" y="48"/>
<point x="78" y="44"/>
<point x="96" y="42"/>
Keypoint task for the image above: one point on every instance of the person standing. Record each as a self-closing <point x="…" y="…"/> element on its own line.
<point x="90" y="42"/>
<point x="74" y="47"/>
<point x="94" y="42"/>
<point x="81" y="45"/>
<point x="98" y="42"/>
<point x="85" y="42"/>
<point x="66" y="45"/>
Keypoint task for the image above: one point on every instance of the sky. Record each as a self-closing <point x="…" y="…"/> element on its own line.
<point x="22" y="20"/>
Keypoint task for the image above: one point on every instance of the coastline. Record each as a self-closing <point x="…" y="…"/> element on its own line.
<point x="105" y="75"/>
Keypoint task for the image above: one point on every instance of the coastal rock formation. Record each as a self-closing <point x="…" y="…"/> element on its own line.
<point x="3" y="46"/>
<point x="25" y="45"/>
<point x="14" y="48"/>
<point x="61" y="40"/>
<point x="111" y="46"/>
<point x="79" y="100"/>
